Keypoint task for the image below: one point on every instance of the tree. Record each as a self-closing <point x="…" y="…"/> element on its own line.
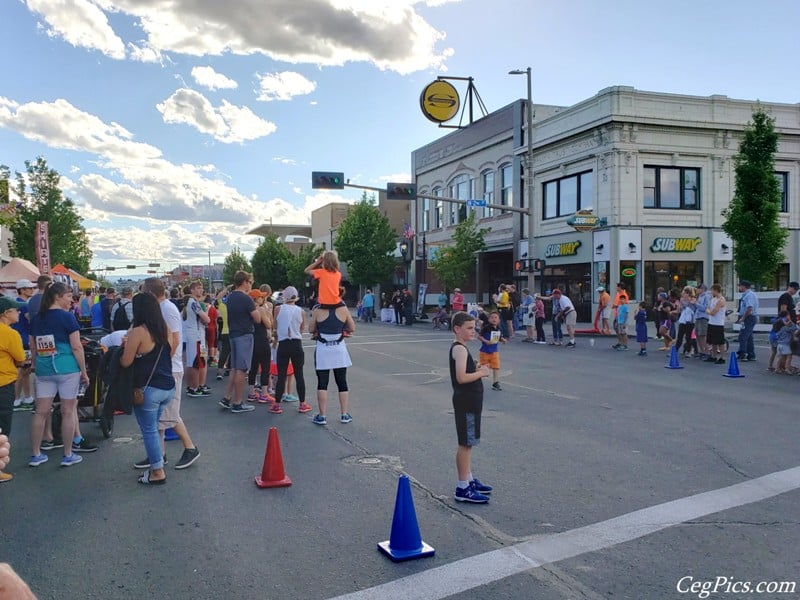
<point x="454" y="264"/>
<point x="751" y="219"/>
<point x="271" y="262"/>
<point x="235" y="261"/>
<point x="296" y="271"/>
<point x="365" y="241"/>
<point x="40" y="199"/>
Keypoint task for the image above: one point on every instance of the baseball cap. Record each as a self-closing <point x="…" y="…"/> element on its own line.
<point x="794" y="284"/>
<point x="24" y="283"/>
<point x="663" y="295"/>
<point x="457" y="290"/>
<point x="7" y="303"/>
<point x="703" y="286"/>
<point x="745" y="283"/>
<point x="558" y="292"/>
<point x="290" y="294"/>
<point x="600" y="289"/>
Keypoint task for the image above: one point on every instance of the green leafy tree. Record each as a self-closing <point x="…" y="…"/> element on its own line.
<point x="41" y="199"/>
<point x="296" y="272"/>
<point x="271" y="262"/>
<point x="235" y="261"/>
<point x="453" y="264"/>
<point x="365" y="241"/>
<point x="751" y="219"/>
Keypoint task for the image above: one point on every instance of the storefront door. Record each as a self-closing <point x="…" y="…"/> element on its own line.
<point x="576" y="282"/>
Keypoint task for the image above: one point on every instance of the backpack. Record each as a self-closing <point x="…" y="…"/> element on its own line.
<point x="121" y="320"/>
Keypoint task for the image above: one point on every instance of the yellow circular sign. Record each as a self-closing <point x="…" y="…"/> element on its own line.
<point x="439" y="101"/>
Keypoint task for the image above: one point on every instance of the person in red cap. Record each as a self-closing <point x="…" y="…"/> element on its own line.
<point x="566" y="315"/>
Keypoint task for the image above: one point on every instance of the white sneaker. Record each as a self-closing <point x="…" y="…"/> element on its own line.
<point x="27" y="401"/>
<point x="18" y="402"/>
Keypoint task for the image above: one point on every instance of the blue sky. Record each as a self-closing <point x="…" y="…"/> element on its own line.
<point x="178" y="126"/>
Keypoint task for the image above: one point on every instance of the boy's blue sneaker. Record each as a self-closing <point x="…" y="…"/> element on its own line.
<point x="72" y="459"/>
<point x="481" y="488"/>
<point x="37" y="460"/>
<point x="470" y="494"/>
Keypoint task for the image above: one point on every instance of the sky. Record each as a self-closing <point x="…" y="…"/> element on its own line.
<point x="179" y="125"/>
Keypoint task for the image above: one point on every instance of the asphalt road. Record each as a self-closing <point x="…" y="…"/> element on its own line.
<point x="588" y="443"/>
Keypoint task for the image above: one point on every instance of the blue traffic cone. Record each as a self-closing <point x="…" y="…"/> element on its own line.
<point x="170" y="435"/>
<point x="673" y="359"/>
<point x="733" y="367"/>
<point x="405" y="541"/>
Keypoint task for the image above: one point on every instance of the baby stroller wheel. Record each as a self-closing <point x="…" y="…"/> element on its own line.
<point x="107" y="417"/>
<point x="107" y="425"/>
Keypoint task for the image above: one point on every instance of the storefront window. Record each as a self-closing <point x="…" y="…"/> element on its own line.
<point x="723" y="275"/>
<point x="601" y="274"/>
<point x="576" y="282"/>
<point x="777" y="282"/>
<point x="629" y="275"/>
<point x="671" y="275"/>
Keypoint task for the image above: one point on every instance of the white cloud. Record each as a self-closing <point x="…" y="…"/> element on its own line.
<point x="284" y="160"/>
<point x="227" y="123"/>
<point x="209" y="78"/>
<point x="387" y="33"/>
<point x="283" y="86"/>
<point x="145" y="53"/>
<point x="396" y="177"/>
<point x="81" y="23"/>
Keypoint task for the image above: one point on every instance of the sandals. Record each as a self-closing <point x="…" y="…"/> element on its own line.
<point x="145" y="479"/>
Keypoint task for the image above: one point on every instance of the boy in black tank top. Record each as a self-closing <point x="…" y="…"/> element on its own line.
<point x="466" y="377"/>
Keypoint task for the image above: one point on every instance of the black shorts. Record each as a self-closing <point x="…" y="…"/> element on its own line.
<point x="468" y="428"/>
<point x="715" y="335"/>
<point x="506" y="314"/>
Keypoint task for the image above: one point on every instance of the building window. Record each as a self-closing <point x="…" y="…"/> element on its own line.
<point x="506" y="189"/>
<point x="487" y="179"/>
<point x="672" y="187"/>
<point x="783" y="184"/>
<point x="461" y="187"/>
<point x="438" y="210"/>
<point x="568" y="195"/>
<point x="426" y="214"/>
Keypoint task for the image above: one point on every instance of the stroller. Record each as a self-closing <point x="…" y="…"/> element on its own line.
<point x="92" y="405"/>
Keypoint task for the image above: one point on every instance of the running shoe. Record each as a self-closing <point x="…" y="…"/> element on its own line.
<point x="84" y="446"/>
<point x="345" y="418"/>
<point x="304" y="407"/>
<point x="242" y="408"/>
<point x="72" y="459"/>
<point x="37" y="460"/>
<point x="470" y="494"/>
<point x="320" y="420"/>
<point x="225" y="403"/>
<point x="289" y="398"/>
<point x="275" y="409"/>
<point x="481" y="488"/>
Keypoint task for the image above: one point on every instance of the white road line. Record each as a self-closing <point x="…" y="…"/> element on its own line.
<point x="475" y="571"/>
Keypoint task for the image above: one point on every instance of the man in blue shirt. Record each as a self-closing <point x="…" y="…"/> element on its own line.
<point x="368" y="304"/>
<point x="748" y="316"/>
<point x="23" y="397"/>
<point x="701" y="319"/>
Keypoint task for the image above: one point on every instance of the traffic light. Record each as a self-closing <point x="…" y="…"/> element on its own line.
<point x="521" y="265"/>
<point x="538" y="264"/>
<point x="401" y="191"/>
<point x="323" y="180"/>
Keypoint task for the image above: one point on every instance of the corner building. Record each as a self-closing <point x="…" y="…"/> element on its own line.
<point x="657" y="168"/>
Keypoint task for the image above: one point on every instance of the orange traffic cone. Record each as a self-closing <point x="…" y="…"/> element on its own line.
<point x="272" y="473"/>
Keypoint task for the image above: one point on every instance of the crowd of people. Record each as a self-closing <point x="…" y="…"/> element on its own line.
<point x="160" y="339"/>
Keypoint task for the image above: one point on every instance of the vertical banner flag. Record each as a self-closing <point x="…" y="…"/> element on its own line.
<point x="42" y="239"/>
<point x="408" y="231"/>
<point x="197" y="272"/>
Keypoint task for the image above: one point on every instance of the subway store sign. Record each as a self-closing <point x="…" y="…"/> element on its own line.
<point x="667" y="244"/>
<point x="563" y="249"/>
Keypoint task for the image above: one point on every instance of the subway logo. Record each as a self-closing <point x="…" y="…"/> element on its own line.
<point x="664" y="244"/>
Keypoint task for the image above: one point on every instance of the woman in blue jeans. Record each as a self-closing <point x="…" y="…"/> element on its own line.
<point x="147" y="349"/>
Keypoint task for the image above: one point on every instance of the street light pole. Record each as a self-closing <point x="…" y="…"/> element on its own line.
<point x="529" y="173"/>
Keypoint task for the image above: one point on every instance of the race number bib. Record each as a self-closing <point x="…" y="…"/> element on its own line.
<point x="203" y="350"/>
<point x="495" y="337"/>
<point x="45" y="345"/>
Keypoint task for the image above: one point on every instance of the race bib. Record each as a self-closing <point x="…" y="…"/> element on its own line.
<point x="45" y="345"/>
<point x="203" y="350"/>
<point x="495" y="337"/>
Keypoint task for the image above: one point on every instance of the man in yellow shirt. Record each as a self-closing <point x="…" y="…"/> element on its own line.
<point x="12" y="355"/>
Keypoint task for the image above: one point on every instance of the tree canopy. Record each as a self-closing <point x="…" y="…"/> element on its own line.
<point x="751" y="219"/>
<point x="271" y="262"/>
<point x="453" y="264"/>
<point x="365" y="241"/>
<point x="41" y="199"/>
<point x="235" y="261"/>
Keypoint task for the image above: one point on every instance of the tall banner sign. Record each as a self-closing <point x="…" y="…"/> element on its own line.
<point x="42" y="239"/>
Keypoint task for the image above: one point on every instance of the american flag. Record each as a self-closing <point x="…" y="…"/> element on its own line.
<point x="408" y="231"/>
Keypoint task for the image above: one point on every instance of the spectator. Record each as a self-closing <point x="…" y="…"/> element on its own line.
<point x="327" y="326"/>
<point x="148" y="350"/>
